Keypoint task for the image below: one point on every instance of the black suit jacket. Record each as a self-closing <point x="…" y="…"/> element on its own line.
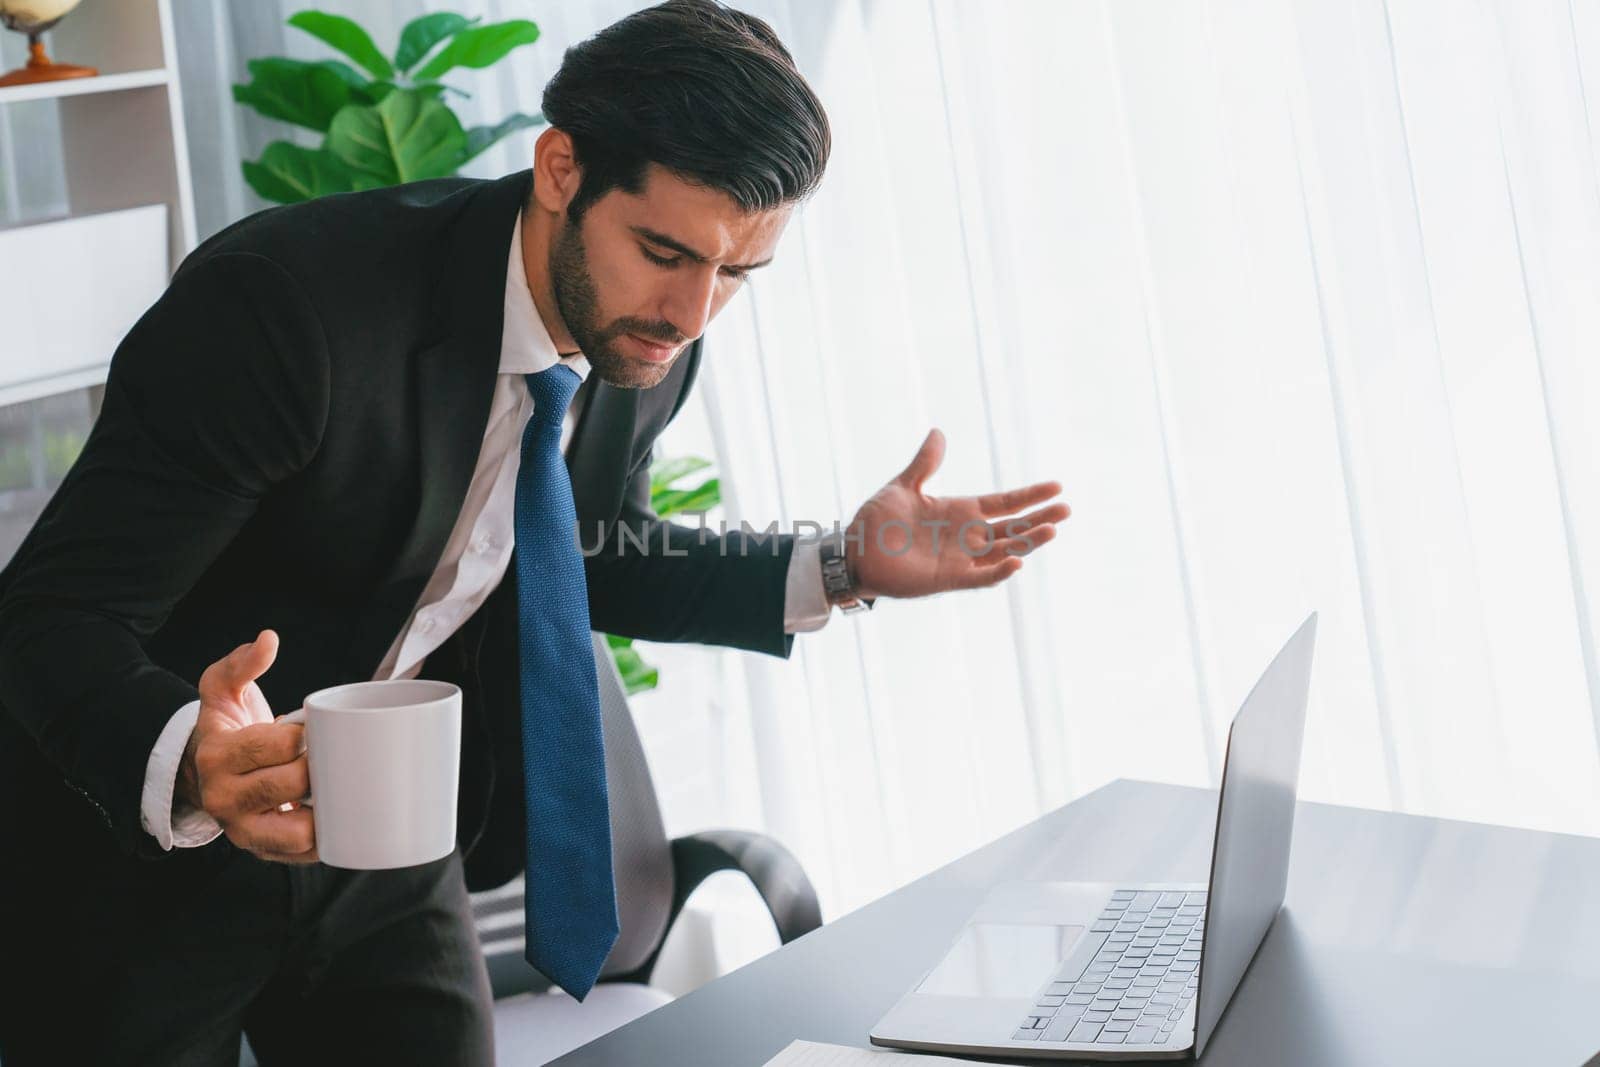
<point x="286" y="439"/>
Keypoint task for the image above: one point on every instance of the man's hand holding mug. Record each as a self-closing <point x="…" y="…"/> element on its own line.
<point x="365" y="776"/>
<point x="241" y="767"/>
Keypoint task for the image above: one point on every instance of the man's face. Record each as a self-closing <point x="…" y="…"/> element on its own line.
<point x="639" y="277"/>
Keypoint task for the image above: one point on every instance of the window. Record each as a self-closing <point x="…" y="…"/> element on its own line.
<point x="39" y="440"/>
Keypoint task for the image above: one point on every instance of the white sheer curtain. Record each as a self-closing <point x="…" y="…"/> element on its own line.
<point x="1299" y="298"/>
<point x="1302" y="303"/>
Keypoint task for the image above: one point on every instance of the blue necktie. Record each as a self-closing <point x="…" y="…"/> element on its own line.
<point x="570" y="900"/>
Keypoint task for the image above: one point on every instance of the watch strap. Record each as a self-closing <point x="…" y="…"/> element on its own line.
<point x="838" y="584"/>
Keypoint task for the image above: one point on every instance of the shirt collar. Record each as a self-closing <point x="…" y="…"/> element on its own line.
<point x="525" y="345"/>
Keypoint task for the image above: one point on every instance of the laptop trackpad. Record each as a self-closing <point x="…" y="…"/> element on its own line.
<point x="1001" y="960"/>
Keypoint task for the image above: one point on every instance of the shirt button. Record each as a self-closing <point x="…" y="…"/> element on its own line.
<point x="483" y="544"/>
<point x="425" y="624"/>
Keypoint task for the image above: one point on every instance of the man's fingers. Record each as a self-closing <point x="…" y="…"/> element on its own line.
<point x="925" y="462"/>
<point x="248" y="662"/>
<point x="1022" y="524"/>
<point x="981" y="538"/>
<point x="239" y="795"/>
<point x="985" y="575"/>
<point x="277" y="833"/>
<point x="266" y="744"/>
<point x="1014" y="500"/>
<point x="1020" y="546"/>
<point x="229" y="675"/>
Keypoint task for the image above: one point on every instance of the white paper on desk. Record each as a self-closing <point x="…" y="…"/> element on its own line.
<point x="811" y="1054"/>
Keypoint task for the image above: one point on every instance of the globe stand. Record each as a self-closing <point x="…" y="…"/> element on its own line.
<point x="40" y="68"/>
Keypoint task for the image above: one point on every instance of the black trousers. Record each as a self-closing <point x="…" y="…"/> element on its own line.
<point x="316" y="964"/>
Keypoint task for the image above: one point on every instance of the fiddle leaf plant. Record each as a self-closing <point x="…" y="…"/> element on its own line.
<point x="667" y="498"/>
<point x="384" y="120"/>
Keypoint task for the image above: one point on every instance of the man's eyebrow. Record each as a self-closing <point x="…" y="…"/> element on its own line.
<point x="688" y="253"/>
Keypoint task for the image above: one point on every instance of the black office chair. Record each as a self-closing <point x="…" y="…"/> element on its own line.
<point x="654" y="879"/>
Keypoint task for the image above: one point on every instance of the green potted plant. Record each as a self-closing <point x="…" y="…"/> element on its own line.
<point x="384" y="120"/>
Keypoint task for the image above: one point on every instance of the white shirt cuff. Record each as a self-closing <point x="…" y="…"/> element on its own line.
<point x="805" y="602"/>
<point x="171" y="823"/>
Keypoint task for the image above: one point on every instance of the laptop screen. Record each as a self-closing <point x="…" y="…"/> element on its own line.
<point x="1255" y="819"/>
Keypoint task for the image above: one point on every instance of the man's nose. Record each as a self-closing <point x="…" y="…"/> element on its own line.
<point x="690" y="303"/>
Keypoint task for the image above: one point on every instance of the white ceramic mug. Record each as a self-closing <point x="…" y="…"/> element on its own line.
<point x="385" y="758"/>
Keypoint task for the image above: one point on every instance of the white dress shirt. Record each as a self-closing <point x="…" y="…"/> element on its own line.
<point x="474" y="558"/>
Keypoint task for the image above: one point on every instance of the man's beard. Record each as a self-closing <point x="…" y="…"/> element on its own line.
<point x="574" y="291"/>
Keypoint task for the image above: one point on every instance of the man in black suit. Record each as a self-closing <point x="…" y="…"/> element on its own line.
<point x="318" y="428"/>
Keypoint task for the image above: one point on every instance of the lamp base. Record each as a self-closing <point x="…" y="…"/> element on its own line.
<point x="41" y="69"/>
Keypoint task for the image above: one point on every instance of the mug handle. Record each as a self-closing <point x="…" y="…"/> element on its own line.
<point x="296" y="716"/>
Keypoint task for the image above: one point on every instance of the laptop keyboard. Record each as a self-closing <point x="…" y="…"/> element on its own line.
<point x="1130" y="977"/>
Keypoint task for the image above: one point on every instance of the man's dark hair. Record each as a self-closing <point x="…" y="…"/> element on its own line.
<point x="705" y="91"/>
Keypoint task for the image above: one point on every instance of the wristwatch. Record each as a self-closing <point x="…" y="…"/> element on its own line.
<point x="838" y="584"/>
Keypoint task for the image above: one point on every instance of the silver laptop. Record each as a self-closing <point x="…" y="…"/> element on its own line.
<point x="1080" y="970"/>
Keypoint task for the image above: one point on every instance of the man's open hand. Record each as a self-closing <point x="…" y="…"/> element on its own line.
<point x="240" y="766"/>
<point x="912" y="544"/>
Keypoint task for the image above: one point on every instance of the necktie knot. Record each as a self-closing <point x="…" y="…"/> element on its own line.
<point x="552" y="390"/>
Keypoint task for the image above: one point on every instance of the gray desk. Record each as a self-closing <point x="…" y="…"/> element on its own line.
<point x="1403" y="941"/>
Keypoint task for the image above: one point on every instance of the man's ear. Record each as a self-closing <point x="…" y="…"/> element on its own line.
<point x="556" y="173"/>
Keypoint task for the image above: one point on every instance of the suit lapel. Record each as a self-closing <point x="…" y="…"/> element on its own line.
<point x="615" y="432"/>
<point x="455" y="385"/>
<point x="600" y="455"/>
<point x="452" y="386"/>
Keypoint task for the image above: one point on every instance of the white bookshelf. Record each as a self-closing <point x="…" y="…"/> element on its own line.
<point x="71" y="287"/>
<point x="105" y="83"/>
